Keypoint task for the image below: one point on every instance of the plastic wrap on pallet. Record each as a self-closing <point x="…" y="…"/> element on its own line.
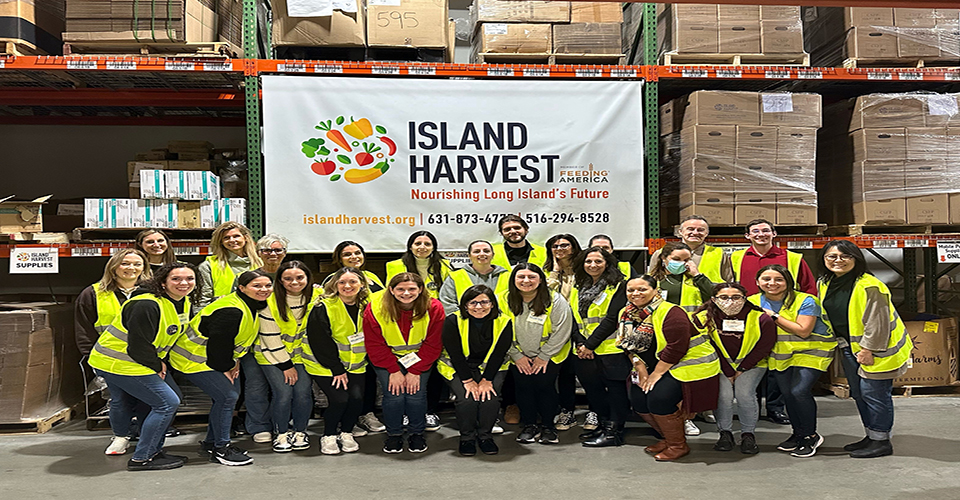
<point x="913" y="109"/>
<point x="596" y="12"/>
<point x="728" y="29"/>
<point x="513" y="38"/>
<point x="586" y="38"/>
<point x="507" y="11"/>
<point x="631" y="32"/>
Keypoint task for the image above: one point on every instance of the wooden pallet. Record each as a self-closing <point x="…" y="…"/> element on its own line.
<point x="551" y="59"/>
<point x="782" y="230"/>
<point x="154" y="49"/>
<point x="677" y="59"/>
<point x="406" y="54"/>
<point x="19" y="48"/>
<point x="874" y="228"/>
<point x="932" y="62"/>
<point x="40" y="425"/>
<point x="602" y="59"/>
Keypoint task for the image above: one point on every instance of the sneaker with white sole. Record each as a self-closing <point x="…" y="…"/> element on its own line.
<point x="230" y="455"/>
<point x="328" y="445"/>
<point x="406" y="421"/>
<point x="808" y="446"/>
<point x="565" y="420"/>
<point x="433" y="422"/>
<point x="497" y="429"/>
<point x="118" y="446"/>
<point x="709" y="417"/>
<point x="347" y="443"/>
<point x="262" y="437"/>
<point x="416" y="443"/>
<point x="591" y="422"/>
<point x="300" y="441"/>
<point x="371" y="423"/>
<point x="282" y="443"/>
<point x="690" y="428"/>
<point x="358" y="431"/>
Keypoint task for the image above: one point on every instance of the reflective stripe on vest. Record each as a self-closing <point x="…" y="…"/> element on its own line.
<point x="538" y="255"/>
<point x="391" y="330"/>
<point x="751" y="335"/>
<point x="557" y="358"/>
<point x="898" y="347"/>
<point x="463" y="280"/>
<point x="108" y="308"/>
<point x="291" y="333"/>
<point x="342" y="327"/>
<point x="710" y="262"/>
<point x="793" y="263"/>
<point x="700" y="361"/>
<point x="445" y="366"/>
<point x="110" y="352"/>
<point x="189" y="355"/>
<point x="815" y="351"/>
<point x="595" y="314"/>
<point x="395" y="267"/>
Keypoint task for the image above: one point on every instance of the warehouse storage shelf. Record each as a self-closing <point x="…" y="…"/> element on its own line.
<point x="878" y="241"/>
<point x="419" y="69"/>
<point x="107" y="248"/>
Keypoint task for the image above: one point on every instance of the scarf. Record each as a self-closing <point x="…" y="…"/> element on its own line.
<point x="636" y="333"/>
<point x="588" y="295"/>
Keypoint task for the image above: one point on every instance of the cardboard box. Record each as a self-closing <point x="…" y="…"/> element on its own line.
<point x="718" y="107"/>
<point x="928" y="209"/>
<point x="954" y="199"/>
<point x="408" y="23"/>
<point x="202" y="186"/>
<point x="923" y="177"/>
<point x="22" y="216"/>
<point x="175" y="185"/>
<point x="192" y="156"/>
<point x="780" y="13"/>
<point x="934" y="354"/>
<point x="134" y="190"/>
<point x="718" y="208"/>
<point x="109" y="212"/>
<point x="188" y="214"/>
<point x="502" y="11"/>
<point x="696" y="38"/>
<point x="952" y="142"/>
<point x="34" y="23"/>
<point x="868" y="16"/>
<point x="796" y="175"/>
<point x="739" y="37"/>
<point x="755" y="176"/>
<point x="189" y="146"/>
<point x="153" y="184"/>
<point x="449" y="53"/>
<point x="182" y="21"/>
<point x="941" y="110"/>
<point x="513" y="38"/>
<point x="918" y="42"/>
<point x="797" y="208"/>
<point x="156" y="213"/>
<point x="793" y="110"/>
<point x="879" y="144"/>
<point x="341" y="29"/>
<point x="796" y="143"/>
<point x="914" y="18"/>
<point x="781" y="37"/>
<point x="757" y="142"/>
<point x="156" y="155"/>
<point x="134" y="168"/>
<point x="871" y="43"/>
<point x="738" y="13"/>
<point x="671" y="115"/>
<point x="202" y="165"/>
<point x="704" y="174"/>
<point x="231" y="210"/>
<point x="709" y="140"/>
<point x="891" y="211"/>
<point x="878" y="180"/>
<point x="688" y="28"/>
<point x="586" y="38"/>
<point x="926" y="143"/>
<point x="754" y="206"/>
<point x="888" y="110"/>
<point x="948" y="18"/>
<point x="596" y="12"/>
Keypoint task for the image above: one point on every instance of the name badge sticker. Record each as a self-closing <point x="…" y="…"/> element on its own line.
<point x="537" y="320"/>
<point x="356" y="338"/>
<point x="734" y="325"/>
<point x="409" y="360"/>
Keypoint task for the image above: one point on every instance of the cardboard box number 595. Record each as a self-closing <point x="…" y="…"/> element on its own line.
<point x="401" y="20"/>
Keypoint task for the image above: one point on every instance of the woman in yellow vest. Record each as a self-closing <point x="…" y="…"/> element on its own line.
<point x="155" y="244"/>
<point x="803" y="351"/>
<point x="743" y="337"/>
<point x="334" y="355"/>
<point x="234" y="251"/>
<point x="351" y="254"/>
<point x="601" y="367"/>
<point x="672" y="363"/>
<point x="479" y="271"/>
<point x="209" y="352"/>
<point x="874" y="345"/>
<point x="422" y="257"/>
<point x="561" y="250"/>
<point x="130" y="354"/>
<point x="474" y="362"/>
<point x="277" y="352"/>
<point x="681" y="283"/>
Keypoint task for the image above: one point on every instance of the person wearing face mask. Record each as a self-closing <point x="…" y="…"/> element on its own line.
<point x="561" y="250"/>
<point x="155" y="244"/>
<point x="209" y="353"/>
<point x="422" y="257"/>
<point x="680" y="281"/>
<point x="709" y="260"/>
<point x="803" y="351"/>
<point x="605" y="242"/>
<point x="479" y="271"/>
<point x="234" y="252"/>
<point x="743" y="336"/>
<point x="515" y="247"/>
<point x="874" y="345"/>
<point x="675" y="368"/>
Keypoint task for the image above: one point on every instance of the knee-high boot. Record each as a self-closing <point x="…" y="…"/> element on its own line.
<point x="672" y="429"/>
<point x="661" y="445"/>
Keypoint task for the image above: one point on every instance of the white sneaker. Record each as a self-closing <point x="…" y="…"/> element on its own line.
<point x="300" y="441"/>
<point x="370" y="422"/>
<point x="282" y="443"/>
<point x="262" y="437"/>
<point x="358" y="431"/>
<point x="591" y="422"/>
<point x="328" y="445"/>
<point x="347" y="443"/>
<point x="433" y="422"/>
<point x="496" y="428"/>
<point x="690" y="428"/>
<point x="406" y="420"/>
<point x="118" y="445"/>
<point x="709" y="417"/>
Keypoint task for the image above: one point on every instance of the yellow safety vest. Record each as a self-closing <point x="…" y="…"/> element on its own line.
<point x="391" y="330"/>
<point x="751" y="335"/>
<point x="110" y="352"/>
<point x="291" y="333"/>
<point x="710" y="263"/>
<point x="222" y="276"/>
<point x="793" y="263"/>
<point x="899" y="346"/>
<point x="353" y="355"/>
<point x="557" y="358"/>
<point x="624" y="268"/>
<point x="595" y="314"/>
<point x="701" y="360"/>
<point x="373" y="278"/>
<point x="690" y="298"/>
<point x="445" y="366"/>
<point x="189" y="355"/>
<point x="462" y="281"/>
<point x="395" y="267"/>
<point x="108" y="308"/>
<point x="538" y="255"/>
<point x="815" y="351"/>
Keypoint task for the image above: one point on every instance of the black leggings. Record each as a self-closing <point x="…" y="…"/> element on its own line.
<point x="661" y="400"/>
<point x="370" y="386"/>
<point x="607" y="397"/>
<point x="537" y="395"/>
<point x="345" y="404"/>
<point x="475" y="418"/>
<point x="567" y="384"/>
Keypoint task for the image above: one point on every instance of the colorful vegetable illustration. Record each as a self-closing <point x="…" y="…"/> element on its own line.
<point x="392" y="146"/>
<point x="366" y="157"/>
<point x="359" y="176"/>
<point x="311" y="147"/>
<point x="334" y="154"/>
<point x="343" y="159"/>
<point x="323" y="168"/>
<point x="334" y="135"/>
<point x="360" y="129"/>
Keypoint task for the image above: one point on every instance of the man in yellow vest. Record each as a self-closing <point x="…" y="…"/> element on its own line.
<point x="603" y="241"/>
<point x="709" y="260"/>
<point x="516" y="248"/>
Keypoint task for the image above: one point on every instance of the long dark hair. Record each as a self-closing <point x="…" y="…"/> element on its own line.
<point x="847" y="247"/>
<point x="787" y="277"/>
<point x="247" y="276"/>
<point x="154" y="285"/>
<point x="714" y="311"/>
<point x="474" y="292"/>
<point x="658" y="270"/>
<point x="338" y="253"/>
<point x="280" y="292"/>
<point x="168" y="255"/>
<point x="574" y="249"/>
<point x="611" y="274"/>
<point x="540" y="303"/>
<point x="435" y="261"/>
<point x="390" y="304"/>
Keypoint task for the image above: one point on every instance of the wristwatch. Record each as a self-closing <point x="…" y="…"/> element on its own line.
<point x="775" y="317"/>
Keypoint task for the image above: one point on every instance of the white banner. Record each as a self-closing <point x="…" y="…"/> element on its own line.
<point x="375" y="159"/>
<point x="32" y="260"/>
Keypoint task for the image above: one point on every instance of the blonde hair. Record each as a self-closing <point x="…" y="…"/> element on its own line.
<point x="249" y="246"/>
<point x="330" y="290"/>
<point x="109" y="280"/>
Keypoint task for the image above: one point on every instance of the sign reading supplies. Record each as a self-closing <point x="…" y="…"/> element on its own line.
<point x="31" y="260"/>
<point x="373" y="160"/>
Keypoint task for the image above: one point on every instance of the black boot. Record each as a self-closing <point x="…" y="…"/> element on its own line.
<point x="612" y="435"/>
<point x="585" y="435"/>
<point x="874" y="449"/>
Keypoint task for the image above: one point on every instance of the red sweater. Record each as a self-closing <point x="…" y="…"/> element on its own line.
<point x="753" y="262"/>
<point x="379" y="352"/>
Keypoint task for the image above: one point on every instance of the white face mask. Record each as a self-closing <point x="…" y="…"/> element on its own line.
<point x="730" y="307"/>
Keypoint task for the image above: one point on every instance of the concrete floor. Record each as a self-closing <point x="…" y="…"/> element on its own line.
<point x="68" y="462"/>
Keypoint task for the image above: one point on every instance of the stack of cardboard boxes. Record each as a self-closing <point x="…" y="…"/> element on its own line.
<point x="738" y="156"/>
<point x="843" y="35"/>
<point x="537" y="27"/>
<point x="34" y="25"/>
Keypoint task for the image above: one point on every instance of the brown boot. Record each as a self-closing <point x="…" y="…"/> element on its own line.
<point x="672" y="430"/>
<point x="661" y="445"/>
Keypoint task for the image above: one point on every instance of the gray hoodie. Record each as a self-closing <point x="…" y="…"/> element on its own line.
<point x="448" y="292"/>
<point x="528" y="334"/>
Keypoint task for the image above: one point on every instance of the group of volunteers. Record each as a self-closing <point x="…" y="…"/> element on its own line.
<point x="519" y="325"/>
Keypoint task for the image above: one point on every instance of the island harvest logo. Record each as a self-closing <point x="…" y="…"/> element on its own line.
<point x="23" y="257"/>
<point x="354" y="151"/>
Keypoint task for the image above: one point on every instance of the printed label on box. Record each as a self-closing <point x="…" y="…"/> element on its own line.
<point x="494" y="29"/>
<point x="777" y="103"/>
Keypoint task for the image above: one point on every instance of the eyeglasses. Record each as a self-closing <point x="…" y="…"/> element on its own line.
<point x="479" y="303"/>
<point x="273" y="250"/>
<point x="561" y="246"/>
<point x="834" y="257"/>
<point x="729" y="297"/>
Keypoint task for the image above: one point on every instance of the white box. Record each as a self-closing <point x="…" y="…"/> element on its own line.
<point x="202" y="185"/>
<point x="109" y="212"/>
<point x="152" y="183"/>
<point x="165" y="214"/>
<point x="124" y="210"/>
<point x="176" y="184"/>
<point x="209" y="216"/>
<point x="232" y="210"/>
<point x="95" y="212"/>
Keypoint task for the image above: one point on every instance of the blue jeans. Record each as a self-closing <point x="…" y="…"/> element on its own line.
<point x="414" y="406"/>
<point x="745" y="391"/>
<point x="296" y="399"/>
<point x="796" y="383"/>
<point x="224" y="394"/>
<point x="874" y="398"/>
<point x="162" y="395"/>
<point x="256" y="396"/>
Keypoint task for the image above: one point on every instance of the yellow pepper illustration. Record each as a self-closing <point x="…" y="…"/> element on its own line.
<point x="359" y="128"/>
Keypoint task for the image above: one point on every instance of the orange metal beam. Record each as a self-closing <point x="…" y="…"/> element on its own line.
<point x="107" y="97"/>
